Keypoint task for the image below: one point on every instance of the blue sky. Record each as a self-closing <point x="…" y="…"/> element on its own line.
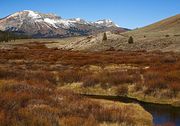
<point x="126" y="13"/>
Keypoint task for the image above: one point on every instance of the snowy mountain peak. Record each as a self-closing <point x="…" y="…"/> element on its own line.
<point x="78" y="20"/>
<point x="56" y="21"/>
<point x="33" y="14"/>
<point x="25" y="13"/>
<point x="28" y="11"/>
<point x="35" y="23"/>
<point x="106" y="22"/>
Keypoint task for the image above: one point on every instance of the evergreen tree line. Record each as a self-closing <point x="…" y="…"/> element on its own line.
<point x="8" y="36"/>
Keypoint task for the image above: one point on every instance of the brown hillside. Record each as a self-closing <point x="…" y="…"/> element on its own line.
<point x="170" y="25"/>
<point x="163" y="36"/>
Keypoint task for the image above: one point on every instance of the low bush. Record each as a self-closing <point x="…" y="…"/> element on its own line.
<point x="118" y="77"/>
<point x="90" y="81"/>
<point x="154" y="80"/>
<point x="70" y="76"/>
<point x="130" y="40"/>
<point x="122" y="90"/>
<point x="175" y="88"/>
<point x="104" y="37"/>
<point x="167" y="35"/>
<point x="138" y="87"/>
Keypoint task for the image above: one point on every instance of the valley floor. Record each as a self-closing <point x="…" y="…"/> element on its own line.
<point x="41" y="86"/>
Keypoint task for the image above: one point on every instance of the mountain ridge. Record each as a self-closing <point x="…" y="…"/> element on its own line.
<point x="50" y="25"/>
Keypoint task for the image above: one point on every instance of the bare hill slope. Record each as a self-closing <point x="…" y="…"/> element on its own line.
<point x="171" y="24"/>
<point x="163" y="35"/>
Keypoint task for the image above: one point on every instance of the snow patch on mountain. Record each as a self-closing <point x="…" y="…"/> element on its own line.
<point x="77" y="20"/>
<point x="105" y="22"/>
<point x="66" y="23"/>
<point x="56" y="22"/>
<point x="51" y="21"/>
<point x="61" y="22"/>
<point x="33" y="15"/>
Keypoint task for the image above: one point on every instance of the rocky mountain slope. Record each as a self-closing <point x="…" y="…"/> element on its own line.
<point x="163" y="35"/>
<point x="50" y="25"/>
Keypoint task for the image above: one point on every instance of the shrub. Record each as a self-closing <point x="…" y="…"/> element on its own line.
<point x="148" y="91"/>
<point x="91" y="121"/>
<point x="34" y="117"/>
<point x="72" y="121"/>
<point x="167" y="35"/>
<point x="2" y="118"/>
<point x="138" y="87"/>
<point x="90" y="81"/>
<point x="119" y="77"/>
<point x="122" y="90"/>
<point x="71" y="75"/>
<point x="104" y="36"/>
<point x="8" y="74"/>
<point x="173" y="76"/>
<point x="130" y="40"/>
<point x="116" y="115"/>
<point x="154" y="80"/>
<point x="175" y="88"/>
<point x="111" y="49"/>
<point x="168" y="59"/>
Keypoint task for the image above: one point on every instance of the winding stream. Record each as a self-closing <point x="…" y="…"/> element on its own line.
<point x="161" y="113"/>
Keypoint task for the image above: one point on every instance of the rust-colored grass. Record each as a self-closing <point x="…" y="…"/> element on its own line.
<point x="29" y="78"/>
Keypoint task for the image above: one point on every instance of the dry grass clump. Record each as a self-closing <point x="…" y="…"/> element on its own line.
<point x="9" y="74"/>
<point x="157" y="80"/>
<point x="108" y="79"/>
<point x="90" y="81"/>
<point x="154" y="80"/>
<point x="122" y="90"/>
<point x="120" y="77"/>
<point x="32" y="77"/>
<point x="175" y="88"/>
<point x="72" y="75"/>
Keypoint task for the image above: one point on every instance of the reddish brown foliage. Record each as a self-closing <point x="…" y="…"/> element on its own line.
<point x="31" y="98"/>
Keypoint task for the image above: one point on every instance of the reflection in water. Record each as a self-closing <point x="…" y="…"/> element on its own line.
<point x="162" y="114"/>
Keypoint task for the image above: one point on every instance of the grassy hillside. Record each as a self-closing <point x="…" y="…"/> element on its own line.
<point x="169" y="26"/>
<point x="163" y="36"/>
